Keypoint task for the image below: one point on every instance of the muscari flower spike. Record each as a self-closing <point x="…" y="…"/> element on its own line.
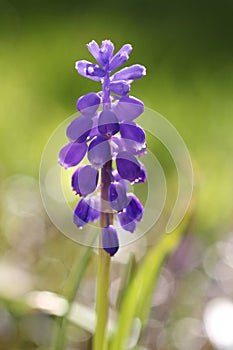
<point x="112" y="141"/>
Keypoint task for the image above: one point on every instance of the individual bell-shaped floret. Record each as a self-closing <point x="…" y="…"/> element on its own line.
<point x="72" y="154"/>
<point x="117" y="196"/>
<point x="128" y="108"/>
<point x="84" y="180"/>
<point x="126" y="222"/>
<point x="131" y="131"/>
<point x="142" y="175"/>
<point x="99" y="151"/>
<point x="133" y="72"/>
<point x="86" y="210"/>
<point x="108" y="124"/>
<point x="79" y="129"/>
<point x="133" y="138"/>
<point x="121" y="87"/>
<point x="88" y="104"/>
<point x="128" y="167"/>
<point x="110" y="240"/>
<point x="134" y="209"/>
<point x="120" y="57"/>
<point x="89" y="70"/>
<point x="106" y="52"/>
<point x="102" y="54"/>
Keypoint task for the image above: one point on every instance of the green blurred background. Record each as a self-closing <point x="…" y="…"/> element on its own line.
<point x="187" y="49"/>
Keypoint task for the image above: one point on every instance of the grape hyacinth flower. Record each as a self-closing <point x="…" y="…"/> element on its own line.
<point x="107" y="133"/>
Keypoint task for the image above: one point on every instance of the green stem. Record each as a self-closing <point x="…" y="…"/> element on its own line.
<point x="104" y="261"/>
<point x="100" y="341"/>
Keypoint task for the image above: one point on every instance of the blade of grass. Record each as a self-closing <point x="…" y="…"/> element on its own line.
<point x="75" y="277"/>
<point x="142" y="286"/>
<point x="127" y="278"/>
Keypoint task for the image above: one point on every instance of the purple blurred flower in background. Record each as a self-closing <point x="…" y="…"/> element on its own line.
<point x="112" y="142"/>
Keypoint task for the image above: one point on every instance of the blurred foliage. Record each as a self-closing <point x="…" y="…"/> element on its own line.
<point x="137" y="300"/>
<point x="187" y="49"/>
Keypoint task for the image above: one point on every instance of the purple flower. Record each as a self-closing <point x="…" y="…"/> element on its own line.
<point x="134" y="209"/>
<point x="88" y="104"/>
<point x="132" y="131"/>
<point x="110" y="240"/>
<point x="117" y="196"/>
<point x="84" y="180"/>
<point x="120" y="57"/>
<point x="129" y="167"/>
<point x="79" y="129"/>
<point x="86" y="210"/>
<point x="126" y="222"/>
<point x="72" y="154"/>
<point x="112" y="141"/>
<point x="99" y="151"/>
<point x="108" y="123"/>
<point x="106" y="51"/>
<point x="89" y="70"/>
<point x="128" y="108"/>
<point x="121" y="87"/>
<point x="130" y="73"/>
<point x="102" y="54"/>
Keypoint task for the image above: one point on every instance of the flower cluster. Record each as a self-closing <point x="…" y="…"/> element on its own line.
<point x="112" y="141"/>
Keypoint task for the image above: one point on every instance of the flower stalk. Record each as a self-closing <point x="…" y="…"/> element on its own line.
<point x="103" y="277"/>
<point x="104" y="261"/>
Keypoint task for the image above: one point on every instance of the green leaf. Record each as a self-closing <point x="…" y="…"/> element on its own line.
<point x="141" y="288"/>
<point x="127" y="278"/>
<point x="75" y="277"/>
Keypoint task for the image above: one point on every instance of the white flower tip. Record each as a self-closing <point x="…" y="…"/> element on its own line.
<point x="143" y="70"/>
<point x="130" y="47"/>
<point x="106" y="41"/>
<point x="90" y="70"/>
<point x="124" y="55"/>
<point x="91" y="43"/>
<point x="127" y="47"/>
